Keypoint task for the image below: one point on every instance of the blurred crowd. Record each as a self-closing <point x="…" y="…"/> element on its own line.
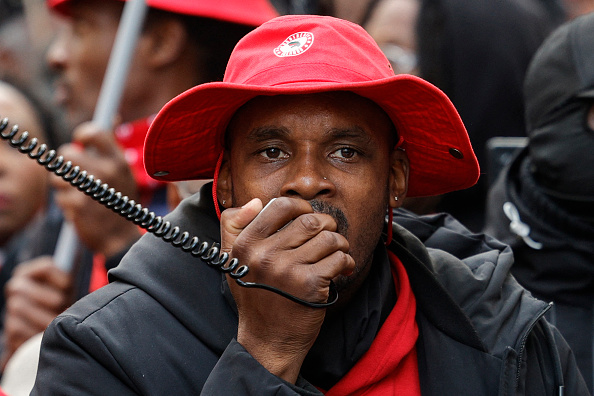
<point x="522" y="81"/>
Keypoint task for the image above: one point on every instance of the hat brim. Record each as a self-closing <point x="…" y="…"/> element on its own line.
<point x="186" y="138"/>
<point x="252" y="14"/>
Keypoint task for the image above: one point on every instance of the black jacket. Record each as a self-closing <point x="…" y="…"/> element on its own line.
<point x="166" y="324"/>
<point x="556" y="263"/>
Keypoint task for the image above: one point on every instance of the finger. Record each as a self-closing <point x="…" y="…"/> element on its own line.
<point x="24" y="318"/>
<point x="312" y="282"/>
<point x="321" y="246"/>
<point x="40" y="271"/>
<point x="322" y="272"/>
<point x="67" y="197"/>
<point x="234" y="220"/>
<point x="277" y="215"/>
<point x="304" y="228"/>
<point x="26" y="293"/>
<point x="59" y="183"/>
<point x="90" y="136"/>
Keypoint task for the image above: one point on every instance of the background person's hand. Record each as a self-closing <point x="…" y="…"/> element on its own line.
<point x="37" y="292"/>
<point x="97" y="152"/>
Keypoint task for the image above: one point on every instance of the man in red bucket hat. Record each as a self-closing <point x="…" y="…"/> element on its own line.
<point x="311" y="141"/>
<point x="182" y="43"/>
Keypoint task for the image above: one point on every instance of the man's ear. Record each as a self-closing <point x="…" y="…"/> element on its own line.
<point x="163" y="42"/>
<point x="225" y="183"/>
<point x="398" y="177"/>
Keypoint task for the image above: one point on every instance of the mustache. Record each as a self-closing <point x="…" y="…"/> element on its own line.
<point x="336" y="213"/>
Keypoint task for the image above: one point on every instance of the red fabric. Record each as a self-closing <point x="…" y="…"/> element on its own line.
<point x="245" y="12"/>
<point x="301" y="54"/>
<point x="130" y="137"/>
<point x="389" y="367"/>
<point x="98" y="273"/>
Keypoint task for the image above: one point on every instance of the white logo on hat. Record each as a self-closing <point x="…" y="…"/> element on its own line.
<point x="295" y="44"/>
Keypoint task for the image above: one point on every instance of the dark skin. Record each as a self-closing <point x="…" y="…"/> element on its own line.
<point x="333" y="148"/>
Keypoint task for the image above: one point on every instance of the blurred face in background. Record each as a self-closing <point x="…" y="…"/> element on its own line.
<point x="23" y="183"/>
<point x="79" y="54"/>
<point x="392" y="24"/>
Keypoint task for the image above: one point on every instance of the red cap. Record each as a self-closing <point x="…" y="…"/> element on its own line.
<point x="292" y="55"/>
<point x="245" y="12"/>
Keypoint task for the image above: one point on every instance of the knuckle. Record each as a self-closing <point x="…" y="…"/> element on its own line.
<point x="225" y="216"/>
<point x="310" y="222"/>
<point x="252" y="254"/>
<point x="241" y="245"/>
<point x="339" y="257"/>
<point x="14" y="306"/>
<point x="15" y="286"/>
<point x="346" y="258"/>
<point x="343" y="259"/>
<point x="329" y="238"/>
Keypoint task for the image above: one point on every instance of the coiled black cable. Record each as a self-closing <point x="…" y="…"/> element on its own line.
<point x="138" y="214"/>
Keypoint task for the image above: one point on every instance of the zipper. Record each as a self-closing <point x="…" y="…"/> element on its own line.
<point x="525" y="338"/>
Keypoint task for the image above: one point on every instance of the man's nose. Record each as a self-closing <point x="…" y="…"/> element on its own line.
<point x="306" y="179"/>
<point x="57" y="53"/>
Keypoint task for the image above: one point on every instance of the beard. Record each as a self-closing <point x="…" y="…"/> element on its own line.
<point x="342" y="224"/>
<point x="364" y="246"/>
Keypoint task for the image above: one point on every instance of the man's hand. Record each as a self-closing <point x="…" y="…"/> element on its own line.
<point x="37" y="292"/>
<point x="99" y="228"/>
<point x="293" y="249"/>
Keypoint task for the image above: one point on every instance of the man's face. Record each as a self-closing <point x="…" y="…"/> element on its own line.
<point x="333" y="149"/>
<point x="23" y="183"/>
<point x="80" y="53"/>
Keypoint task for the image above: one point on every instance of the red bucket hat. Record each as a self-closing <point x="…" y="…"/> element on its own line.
<point x="244" y="12"/>
<point x="292" y="55"/>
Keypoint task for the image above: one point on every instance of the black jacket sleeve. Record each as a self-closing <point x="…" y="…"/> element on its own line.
<point x="238" y="373"/>
<point x="67" y="367"/>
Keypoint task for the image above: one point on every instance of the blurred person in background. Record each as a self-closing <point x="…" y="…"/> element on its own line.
<point x="393" y="25"/>
<point x="181" y="44"/>
<point x="478" y="52"/>
<point x="26" y="29"/>
<point x="25" y="197"/>
<point x="541" y="204"/>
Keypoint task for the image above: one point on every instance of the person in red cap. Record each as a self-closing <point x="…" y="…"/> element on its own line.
<point x="182" y="43"/>
<point x="311" y="141"/>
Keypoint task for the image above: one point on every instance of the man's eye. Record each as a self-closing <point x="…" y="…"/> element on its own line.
<point x="345" y="152"/>
<point x="273" y="153"/>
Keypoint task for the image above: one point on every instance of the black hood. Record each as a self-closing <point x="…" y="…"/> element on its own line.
<point x="559" y="90"/>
